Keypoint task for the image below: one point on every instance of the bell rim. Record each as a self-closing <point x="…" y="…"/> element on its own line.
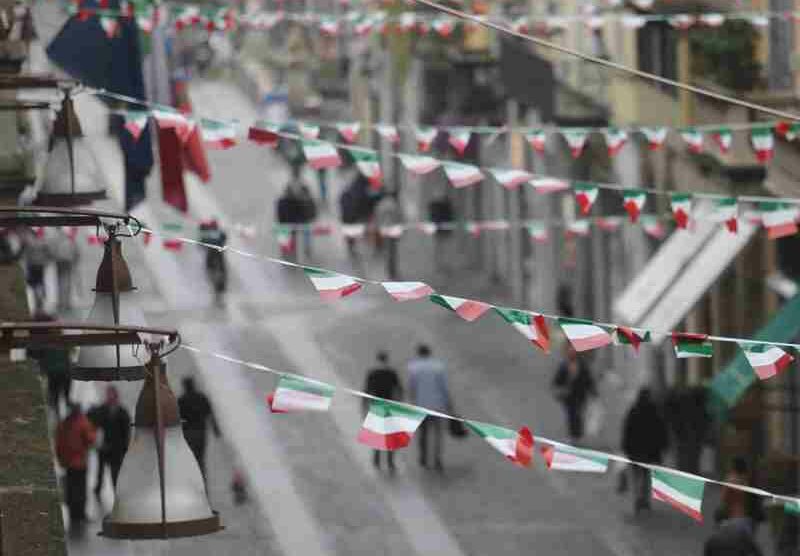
<point x="156" y="530"/>
<point x="107" y="374"/>
<point x="68" y="199"/>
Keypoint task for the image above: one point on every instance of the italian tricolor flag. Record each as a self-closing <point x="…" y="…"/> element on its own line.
<point x="681" y="204"/>
<point x="285" y="239"/>
<point x="425" y="137"/>
<point x="766" y="360"/>
<point x="577" y="228"/>
<point x="392" y="231"/>
<point x="369" y="166"/>
<point x="109" y="25"/>
<point x="615" y="140"/>
<point x="788" y="130"/>
<point x="779" y="219"/>
<point x="459" y="137"/>
<point x="264" y="134"/>
<point x="388" y="132"/>
<point x="516" y="446"/>
<point x="530" y="325"/>
<point x="576" y="140"/>
<point x="585" y="195"/>
<point x="655" y="137"/>
<point x="331" y="285"/>
<point x="308" y="131"/>
<point x="763" y="143"/>
<point x="427" y="228"/>
<point x="653" y="226"/>
<point x="389" y="426"/>
<point x="167" y="118"/>
<point x="419" y="165"/>
<point x="727" y="210"/>
<point x="443" y="26"/>
<point x="321" y="155"/>
<point x="135" y="122"/>
<point x="217" y="135"/>
<point x="538" y="232"/>
<point x="549" y="185"/>
<point x="353" y="230"/>
<point x="510" y="178"/>
<point x="567" y="458"/>
<point x="633" y="201"/>
<point x="329" y="27"/>
<point x="694" y="139"/>
<point x="680" y="491"/>
<point x="537" y="140"/>
<point x="608" y="223"/>
<point x="584" y="335"/>
<point x="462" y="175"/>
<point x="300" y="394"/>
<point x="348" y="130"/>
<point x="407" y="291"/>
<point x="467" y="309"/>
<point x="723" y="138"/>
<point x="631" y="337"/>
<point x="691" y="345"/>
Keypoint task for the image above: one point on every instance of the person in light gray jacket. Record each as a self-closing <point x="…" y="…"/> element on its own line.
<point x="427" y="387"/>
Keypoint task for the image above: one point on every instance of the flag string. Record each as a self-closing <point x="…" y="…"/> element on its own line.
<point x="362" y="280"/>
<point x="275" y="130"/>
<point x="541" y="439"/>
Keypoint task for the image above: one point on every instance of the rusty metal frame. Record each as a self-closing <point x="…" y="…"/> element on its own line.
<point x="35" y="334"/>
<point x="35" y="81"/>
<point x="61" y="216"/>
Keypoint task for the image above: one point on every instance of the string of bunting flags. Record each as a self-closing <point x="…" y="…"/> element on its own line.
<point x="390" y="425"/>
<point x="779" y="216"/>
<point x="765" y="357"/>
<point x="362" y="22"/>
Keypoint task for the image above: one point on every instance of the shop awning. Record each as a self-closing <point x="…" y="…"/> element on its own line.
<point x="729" y="385"/>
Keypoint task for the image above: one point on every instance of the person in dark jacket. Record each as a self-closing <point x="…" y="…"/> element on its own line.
<point x="197" y="415"/>
<point x="383" y="382"/>
<point x="55" y="362"/>
<point x="115" y="422"/>
<point x="573" y="385"/>
<point x="732" y="537"/>
<point x="296" y="207"/>
<point x="644" y="439"/>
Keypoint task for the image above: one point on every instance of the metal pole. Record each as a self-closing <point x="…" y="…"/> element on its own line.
<point x="517" y="157"/>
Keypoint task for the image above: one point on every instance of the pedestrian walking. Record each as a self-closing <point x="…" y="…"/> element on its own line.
<point x="114" y="422"/>
<point x="382" y="381"/>
<point x="738" y="505"/>
<point x="296" y="208"/>
<point x="64" y="251"/>
<point x="427" y="387"/>
<point x="356" y="205"/>
<point x="573" y="385"/>
<point x="644" y="439"/>
<point x="74" y="436"/>
<point x="55" y="363"/>
<point x="37" y="257"/>
<point x="216" y="267"/>
<point x="196" y="414"/>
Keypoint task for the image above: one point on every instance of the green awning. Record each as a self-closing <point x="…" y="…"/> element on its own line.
<point x="728" y="386"/>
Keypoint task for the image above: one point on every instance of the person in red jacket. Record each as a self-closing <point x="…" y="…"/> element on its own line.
<point x="74" y="436"/>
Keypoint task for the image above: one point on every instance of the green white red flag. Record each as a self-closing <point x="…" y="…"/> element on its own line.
<point x="681" y="204"/>
<point x="538" y="232"/>
<point x="608" y="223"/>
<point x="788" y="130"/>
<point x="172" y="119"/>
<point x="530" y="325"/>
<point x="653" y="226"/>
<point x="766" y="360"/>
<point x="577" y="228"/>
<point x="459" y="138"/>
<point x="425" y="136"/>
<point x="516" y="446"/>
<point x="419" y="165"/>
<point x="779" y="219"/>
<point x="549" y="185"/>
<point x="461" y="175"/>
<point x="576" y="140"/>
<point x="633" y="201"/>
<point x="264" y="134"/>
<point x="723" y="137"/>
<point x="726" y="210"/>
<point x="763" y="143"/>
<point x="615" y="140"/>
<point x="369" y="166"/>
<point x="300" y="394"/>
<point x="584" y="335"/>
<point x="308" y="131"/>
<point x="217" y="135"/>
<point x="392" y="231"/>
<point x="682" y="21"/>
<point x="691" y="345"/>
<point x="331" y="285"/>
<point x="320" y="154"/>
<point x="443" y="26"/>
<point x="467" y="309"/>
<point x="585" y="195"/>
<point x="510" y="178"/>
<point x="693" y="139"/>
<point x="285" y="239"/>
<point x="109" y="25"/>
<point x="329" y="27"/>
<point x="633" y="337"/>
<point x="135" y="122"/>
<point x="388" y="132"/>
<point x="680" y="491"/>
<point x="568" y="458"/>
<point x="389" y="426"/>
<point x="348" y="131"/>
<point x="353" y="230"/>
<point x="537" y="140"/>
<point x="712" y="20"/>
<point x="407" y="291"/>
<point x="655" y="137"/>
<point x="427" y="228"/>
